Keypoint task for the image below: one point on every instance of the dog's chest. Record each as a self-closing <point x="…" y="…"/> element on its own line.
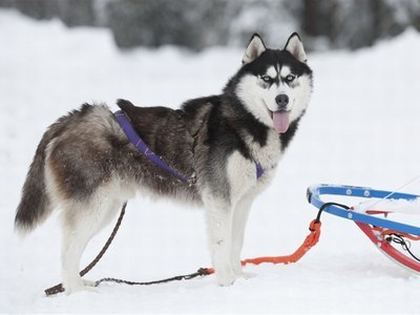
<point x="267" y="155"/>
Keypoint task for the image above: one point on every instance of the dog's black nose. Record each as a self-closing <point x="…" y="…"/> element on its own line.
<point x="282" y="100"/>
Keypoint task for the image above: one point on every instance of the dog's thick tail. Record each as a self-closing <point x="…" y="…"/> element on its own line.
<point x="34" y="207"/>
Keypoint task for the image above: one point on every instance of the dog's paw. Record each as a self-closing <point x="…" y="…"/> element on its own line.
<point x="245" y="275"/>
<point x="78" y="286"/>
<point x="89" y="283"/>
<point x="240" y="273"/>
<point x="225" y="280"/>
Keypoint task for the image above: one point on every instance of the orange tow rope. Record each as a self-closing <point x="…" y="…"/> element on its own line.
<point x="310" y="241"/>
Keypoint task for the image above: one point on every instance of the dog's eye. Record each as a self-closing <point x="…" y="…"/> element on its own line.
<point x="266" y="79"/>
<point x="290" y="78"/>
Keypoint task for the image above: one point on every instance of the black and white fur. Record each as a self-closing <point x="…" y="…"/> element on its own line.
<point x="86" y="167"/>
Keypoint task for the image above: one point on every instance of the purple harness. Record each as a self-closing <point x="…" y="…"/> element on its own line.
<point x="157" y="160"/>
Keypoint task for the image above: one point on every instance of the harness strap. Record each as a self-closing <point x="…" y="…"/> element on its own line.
<point x="259" y="169"/>
<point x="135" y="139"/>
<point x="157" y="160"/>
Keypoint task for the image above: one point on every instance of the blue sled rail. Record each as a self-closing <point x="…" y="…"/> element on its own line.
<point x="315" y="192"/>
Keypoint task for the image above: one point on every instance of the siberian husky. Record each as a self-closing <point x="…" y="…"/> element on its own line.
<point x="230" y="144"/>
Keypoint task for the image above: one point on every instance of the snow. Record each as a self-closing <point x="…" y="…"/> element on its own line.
<point x="361" y="129"/>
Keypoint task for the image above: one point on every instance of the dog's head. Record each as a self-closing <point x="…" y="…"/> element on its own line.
<point x="274" y="85"/>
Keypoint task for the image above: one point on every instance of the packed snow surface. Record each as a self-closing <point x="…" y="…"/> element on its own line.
<point x="362" y="128"/>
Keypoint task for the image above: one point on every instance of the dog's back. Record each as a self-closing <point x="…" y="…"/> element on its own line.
<point x="165" y="131"/>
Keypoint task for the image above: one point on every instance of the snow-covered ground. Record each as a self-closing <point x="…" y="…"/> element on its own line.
<point x="362" y="128"/>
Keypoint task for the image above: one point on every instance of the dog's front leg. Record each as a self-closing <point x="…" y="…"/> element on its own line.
<point x="219" y="227"/>
<point x="221" y="206"/>
<point x="240" y="218"/>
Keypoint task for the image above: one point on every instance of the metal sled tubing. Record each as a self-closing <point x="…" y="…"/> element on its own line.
<point x="388" y="249"/>
<point x="314" y="194"/>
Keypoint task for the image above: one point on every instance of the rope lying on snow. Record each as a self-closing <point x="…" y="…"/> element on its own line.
<point x="199" y="272"/>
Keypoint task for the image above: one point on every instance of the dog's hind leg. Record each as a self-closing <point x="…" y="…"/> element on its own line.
<point x="81" y="221"/>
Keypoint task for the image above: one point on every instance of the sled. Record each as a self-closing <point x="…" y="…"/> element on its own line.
<point x="373" y="219"/>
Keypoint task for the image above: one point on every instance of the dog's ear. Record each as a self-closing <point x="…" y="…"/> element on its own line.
<point x="295" y="47"/>
<point x="255" y="48"/>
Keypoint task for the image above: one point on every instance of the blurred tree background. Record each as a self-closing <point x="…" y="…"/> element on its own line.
<point x="324" y="24"/>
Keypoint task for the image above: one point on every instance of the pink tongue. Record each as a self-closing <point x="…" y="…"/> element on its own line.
<point x="281" y="121"/>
